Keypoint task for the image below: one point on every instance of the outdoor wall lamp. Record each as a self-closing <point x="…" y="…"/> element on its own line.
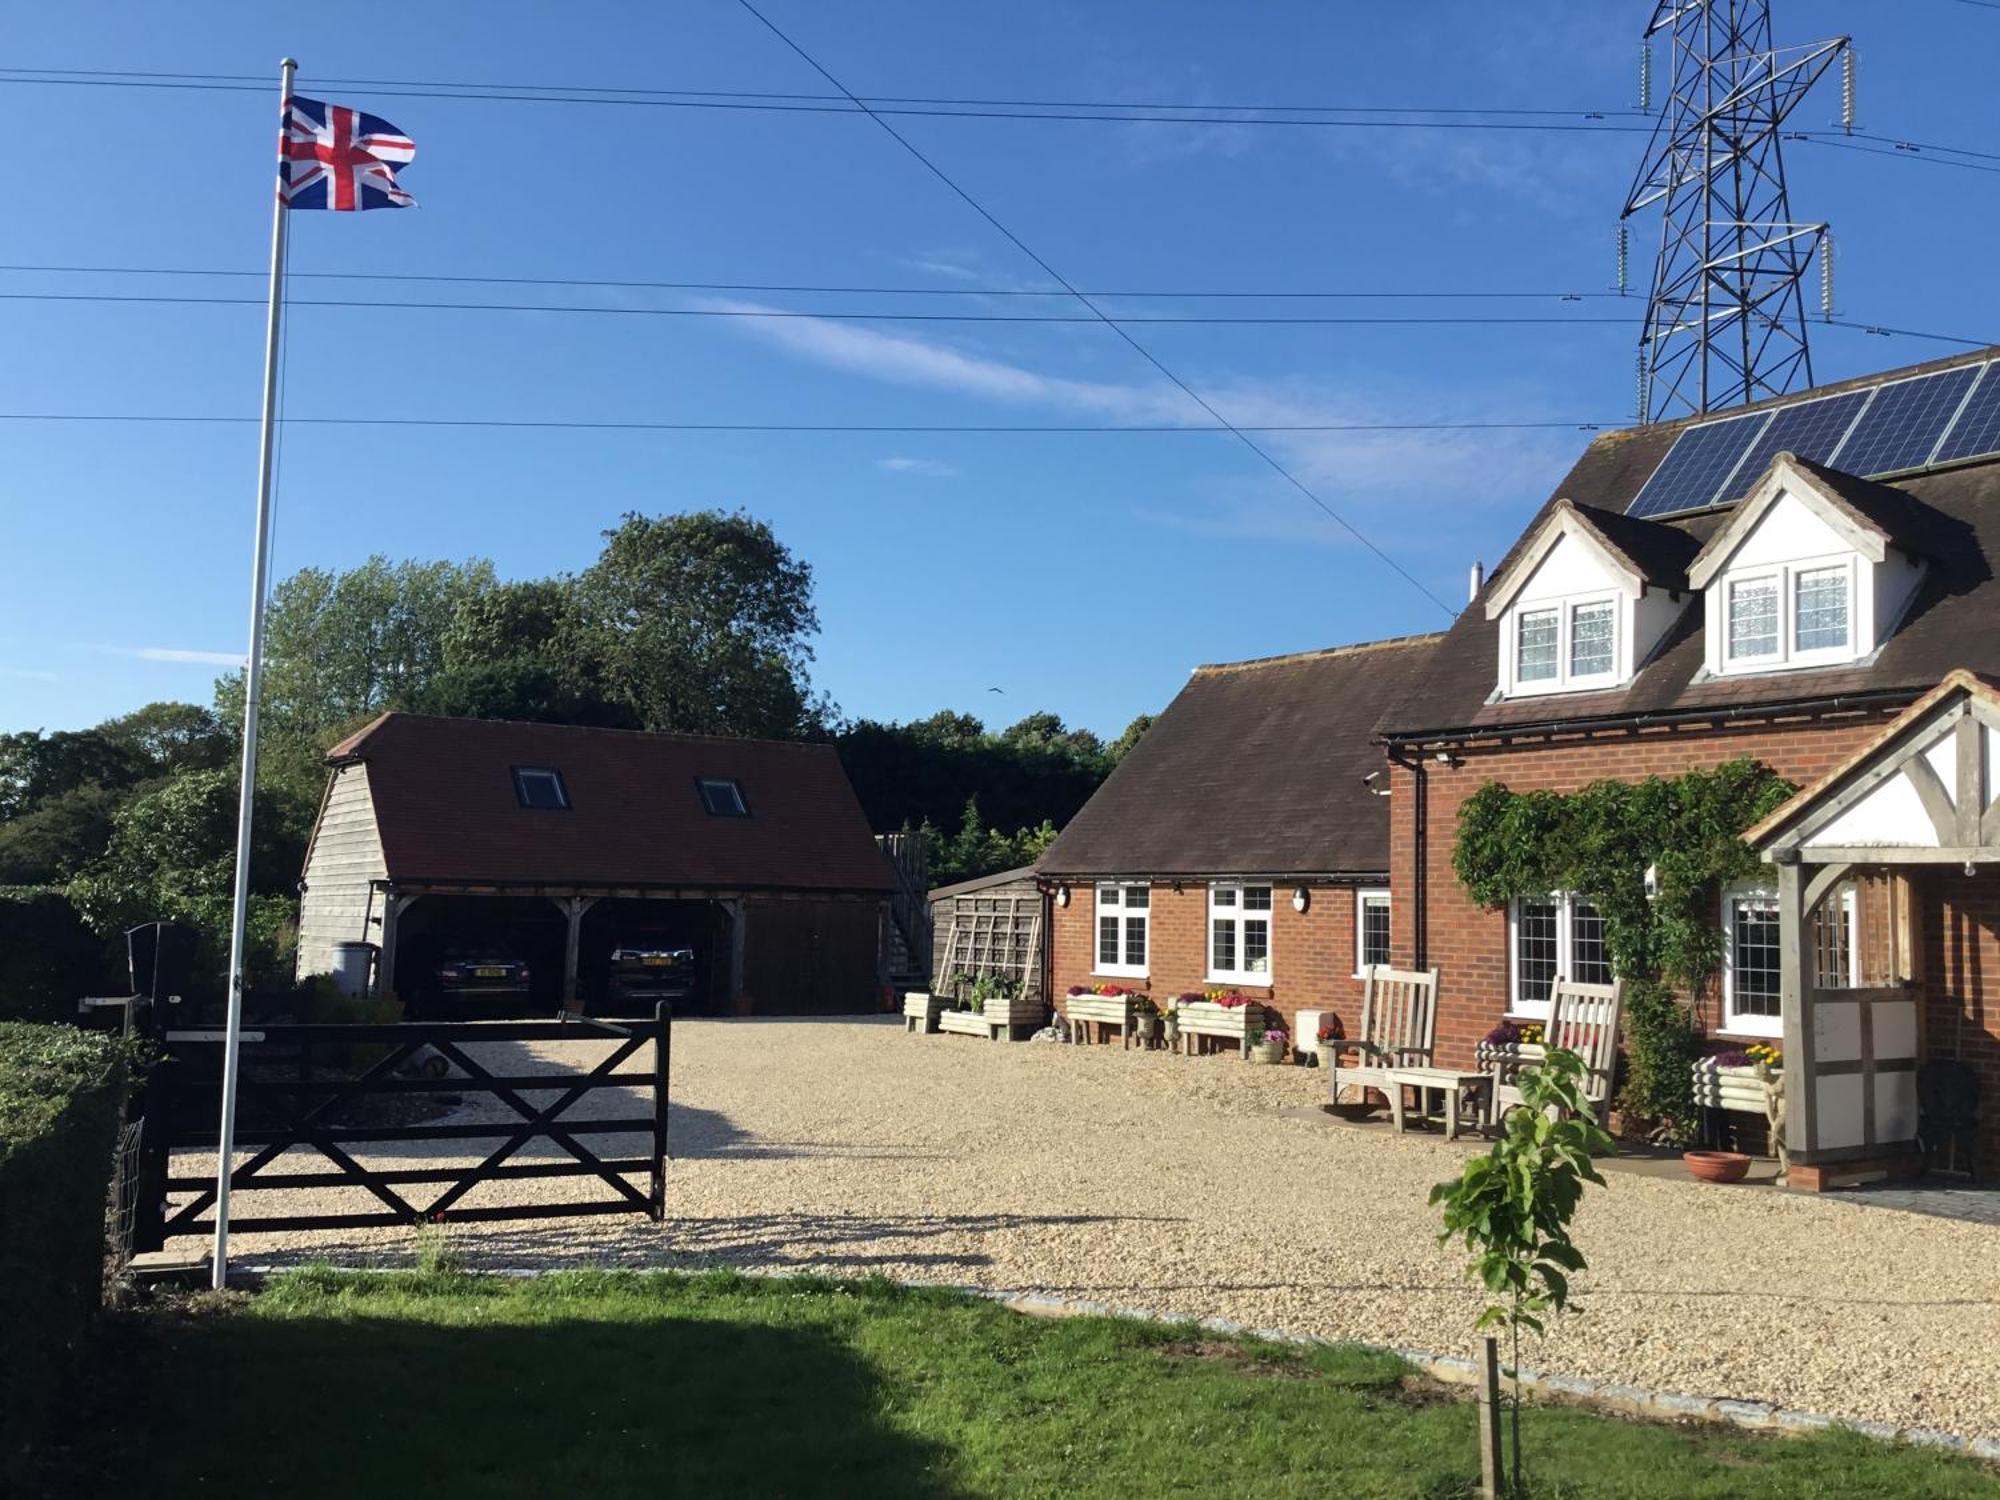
<point x="1445" y="758"/>
<point x="1062" y="895"/>
<point x="1301" y="899"/>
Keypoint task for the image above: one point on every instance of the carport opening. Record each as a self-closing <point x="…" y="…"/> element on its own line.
<point x="461" y="957"/>
<point x="652" y="934"/>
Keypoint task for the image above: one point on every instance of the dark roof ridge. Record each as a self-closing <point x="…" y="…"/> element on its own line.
<point x="350" y="746"/>
<point x="1321" y="653"/>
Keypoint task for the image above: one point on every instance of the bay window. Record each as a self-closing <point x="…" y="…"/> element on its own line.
<point x="1124" y="913"/>
<point x="1239" y="934"/>
<point x="1550" y="936"/>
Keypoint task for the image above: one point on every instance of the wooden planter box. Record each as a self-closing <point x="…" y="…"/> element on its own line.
<point x="999" y="1021"/>
<point x="1738" y="1089"/>
<point x="921" y="1010"/>
<point x="1234" y="1023"/>
<point x="1099" y="1011"/>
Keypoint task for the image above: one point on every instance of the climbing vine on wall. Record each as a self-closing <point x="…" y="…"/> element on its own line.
<point x="1597" y="843"/>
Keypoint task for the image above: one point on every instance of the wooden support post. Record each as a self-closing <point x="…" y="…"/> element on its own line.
<point x="739" y="922"/>
<point x="573" y="908"/>
<point x="1491" y="1474"/>
<point x="1793" y="996"/>
<point x="393" y="907"/>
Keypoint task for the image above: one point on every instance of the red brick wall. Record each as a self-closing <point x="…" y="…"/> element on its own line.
<point x="1468" y="945"/>
<point x="1960" y="917"/>
<point x="1312" y="952"/>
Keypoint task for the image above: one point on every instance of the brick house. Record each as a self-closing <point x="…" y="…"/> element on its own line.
<point x="1244" y="841"/>
<point x="1783" y="582"/>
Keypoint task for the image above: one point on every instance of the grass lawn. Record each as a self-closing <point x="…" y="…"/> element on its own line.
<point x="613" y="1384"/>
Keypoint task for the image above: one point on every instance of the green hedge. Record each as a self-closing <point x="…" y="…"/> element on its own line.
<point x="60" y="1092"/>
<point x="50" y="958"/>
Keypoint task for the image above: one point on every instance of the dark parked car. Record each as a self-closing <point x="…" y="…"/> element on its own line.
<point x="645" y="972"/>
<point x="474" y="976"/>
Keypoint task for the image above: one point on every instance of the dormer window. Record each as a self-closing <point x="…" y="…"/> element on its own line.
<point x="1811" y="571"/>
<point x="1584" y="600"/>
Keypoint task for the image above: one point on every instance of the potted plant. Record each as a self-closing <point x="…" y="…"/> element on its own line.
<point x="1145" y="1019"/>
<point x="1271" y="1045"/>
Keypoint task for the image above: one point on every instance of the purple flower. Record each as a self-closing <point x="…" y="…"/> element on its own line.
<point x="1732" y="1059"/>
<point x="1506" y="1034"/>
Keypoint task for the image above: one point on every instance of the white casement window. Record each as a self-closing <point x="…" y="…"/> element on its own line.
<point x="1371" y="930"/>
<point x="1124" y="913"/>
<point x="1239" y="934"/>
<point x="1750" y="955"/>
<point x="1750" y="1003"/>
<point x="1551" y="936"/>
<point x="1798" y="615"/>
<point x="1567" y="645"/>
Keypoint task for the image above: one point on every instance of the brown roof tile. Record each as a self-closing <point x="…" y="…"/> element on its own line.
<point x="447" y="810"/>
<point x="1254" y="769"/>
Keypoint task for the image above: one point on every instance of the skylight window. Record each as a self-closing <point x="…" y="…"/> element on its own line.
<point x="723" y="797"/>
<point x="541" y="788"/>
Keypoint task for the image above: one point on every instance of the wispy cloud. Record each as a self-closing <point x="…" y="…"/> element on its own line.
<point x="928" y="468"/>
<point x="177" y="654"/>
<point x="33" y="674"/>
<point x="1376" y="475"/>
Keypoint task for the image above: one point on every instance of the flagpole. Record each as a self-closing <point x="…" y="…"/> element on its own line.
<point x="253" y="681"/>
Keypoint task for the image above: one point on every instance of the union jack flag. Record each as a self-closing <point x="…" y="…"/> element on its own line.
<point x="330" y="156"/>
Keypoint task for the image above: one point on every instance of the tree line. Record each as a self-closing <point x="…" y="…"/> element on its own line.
<point x="701" y="622"/>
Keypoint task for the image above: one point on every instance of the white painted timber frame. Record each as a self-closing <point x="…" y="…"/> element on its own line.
<point x="1922" y="794"/>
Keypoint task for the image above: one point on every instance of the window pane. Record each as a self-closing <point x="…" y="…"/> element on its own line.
<point x="1374" y="931"/>
<point x="1753" y="618"/>
<point x="1135" y="941"/>
<point x="1107" y="940"/>
<point x="1535" y="956"/>
<point x="1820" y="609"/>
<point x="1833" y="941"/>
<point x="1107" y="895"/>
<point x="1535" y="646"/>
<point x="1256" y="898"/>
<point x="1589" y="959"/>
<point x="1753" y="954"/>
<point x="1138" y="897"/>
<point x="1224" y="895"/>
<point x="1223" y="946"/>
<point x="1590" y="631"/>
<point x="1257" y="944"/>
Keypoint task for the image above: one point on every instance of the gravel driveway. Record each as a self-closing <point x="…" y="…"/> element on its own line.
<point x="1191" y="1186"/>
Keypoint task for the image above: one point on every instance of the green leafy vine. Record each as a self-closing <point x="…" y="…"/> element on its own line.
<point x="1597" y="843"/>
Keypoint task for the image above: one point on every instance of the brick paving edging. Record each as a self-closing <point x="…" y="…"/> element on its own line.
<point x="1451" y="1369"/>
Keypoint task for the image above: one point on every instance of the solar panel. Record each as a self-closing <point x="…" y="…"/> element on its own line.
<point x="1977" y="429"/>
<point x="1812" y="430"/>
<point x="1697" y="464"/>
<point x="1904" y="422"/>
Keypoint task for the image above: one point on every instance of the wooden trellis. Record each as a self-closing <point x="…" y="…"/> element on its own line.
<point x="999" y="933"/>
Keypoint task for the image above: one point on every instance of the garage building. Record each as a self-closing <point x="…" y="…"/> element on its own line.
<point x="554" y="845"/>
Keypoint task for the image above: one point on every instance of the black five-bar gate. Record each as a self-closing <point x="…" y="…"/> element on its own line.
<point x="300" y="1086"/>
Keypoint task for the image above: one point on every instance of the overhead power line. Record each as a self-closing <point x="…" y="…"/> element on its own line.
<point x="904" y="428"/>
<point x="836" y="315"/>
<point x="1056" y="276"/>
<point x="817" y="287"/>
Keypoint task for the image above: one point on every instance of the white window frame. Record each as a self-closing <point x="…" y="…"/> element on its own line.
<point x="1565" y="904"/>
<point x="1784" y="577"/>
<point x="1234" y="912"/>
<point x="1128" y="916"/>
<point x="1843" y="900"/>
<point x="1565" y="609"/>
<point x="1363" y="899"/>
<point x="1733" y="1022"/>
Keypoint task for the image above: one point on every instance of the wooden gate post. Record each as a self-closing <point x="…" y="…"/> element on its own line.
<point x="663" y="1038"/>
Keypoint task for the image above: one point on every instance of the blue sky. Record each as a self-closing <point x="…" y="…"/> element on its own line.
<point x="1080" y="573"/>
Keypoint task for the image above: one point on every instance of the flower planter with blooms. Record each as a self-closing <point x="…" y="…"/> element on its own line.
<point x="1272" y="1045"/>
<point x="1102" y="1005"/>
<point x="1739" y="1080"/>
<point x="1509" y="1045"/>
<point x="1224" y="1015"/>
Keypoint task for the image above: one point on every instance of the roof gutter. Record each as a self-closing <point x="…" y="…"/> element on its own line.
<point x="1721" y="713"/>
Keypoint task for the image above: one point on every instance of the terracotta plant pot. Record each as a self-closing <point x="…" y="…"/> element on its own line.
<point x="1716" y="1166"/>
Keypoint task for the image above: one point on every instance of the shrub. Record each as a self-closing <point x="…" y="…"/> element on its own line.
<point x="60" y="1095"/>
<point x="49" y="957"/>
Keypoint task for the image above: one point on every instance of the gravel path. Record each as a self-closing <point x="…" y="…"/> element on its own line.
<point x="1189" y="1186"/>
